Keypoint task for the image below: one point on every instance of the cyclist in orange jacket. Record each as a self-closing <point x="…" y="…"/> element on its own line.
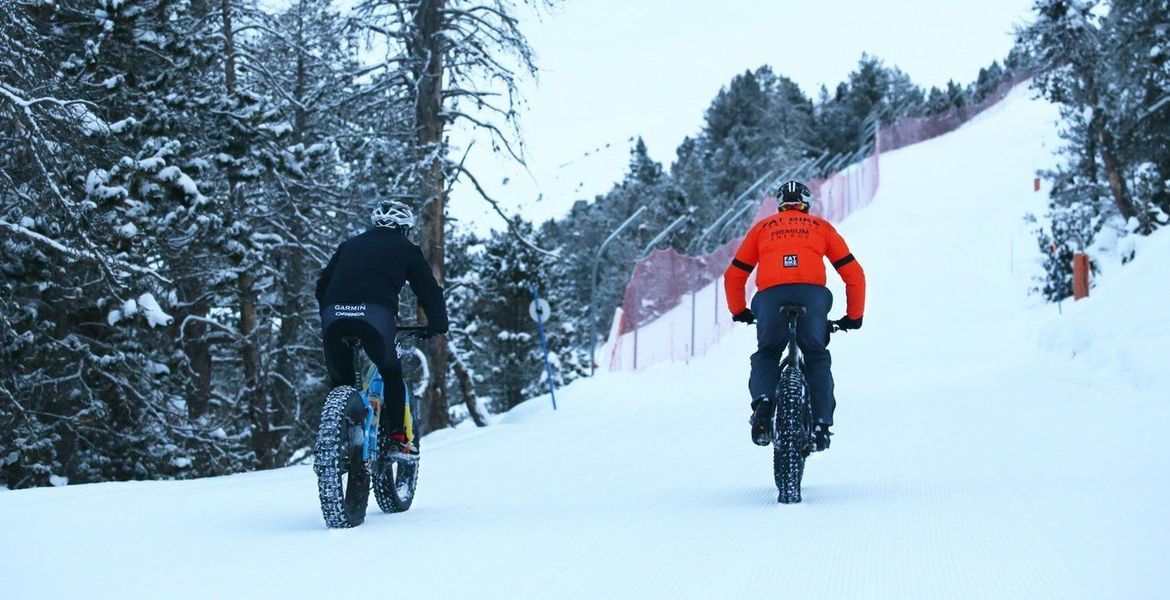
<point x="788" y="251"/>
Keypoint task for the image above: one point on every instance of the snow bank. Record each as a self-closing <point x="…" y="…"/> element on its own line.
<point x="1122" y="326"/>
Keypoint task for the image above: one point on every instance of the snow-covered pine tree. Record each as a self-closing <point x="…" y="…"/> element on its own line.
<point x="511" y="358"/>
<point x="1138" y="41"/>
<point x="1104" y="68"/>
<point x="84" y="389"/>
<point x="903" y="98"/>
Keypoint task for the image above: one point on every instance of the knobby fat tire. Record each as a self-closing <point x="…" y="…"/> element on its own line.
<point x="790" y="441"/>
<point x="342" y="506"/>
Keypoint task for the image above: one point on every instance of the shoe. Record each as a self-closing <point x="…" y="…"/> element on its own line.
<point x="820" y="437"/>
<point x="761" y="421"/>
<point x="399" y="448"/>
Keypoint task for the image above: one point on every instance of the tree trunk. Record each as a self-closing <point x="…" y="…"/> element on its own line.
<point x="468" y="389"/>
<point x="1117" y="185"/>
<point x="255" y="392"/>
<point x="286" y="398"/>
<point x="285" y="395"/>
<point x="229" y="50"/>
<point x="1107" y="146"/>
<point x="196" y="347"/>
<point x="429" y="124"/>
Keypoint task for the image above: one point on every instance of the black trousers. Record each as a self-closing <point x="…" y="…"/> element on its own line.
<point x="375" y="326"/>
<point x="812" y="336"/>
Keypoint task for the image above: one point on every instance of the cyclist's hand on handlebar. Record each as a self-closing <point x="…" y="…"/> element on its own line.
<point x="744" y="316"/>
<point x="431" y="331"/>
<point x="845" y="323"/>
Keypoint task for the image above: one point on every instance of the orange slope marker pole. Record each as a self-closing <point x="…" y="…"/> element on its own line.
<point x="1080" y="275"/>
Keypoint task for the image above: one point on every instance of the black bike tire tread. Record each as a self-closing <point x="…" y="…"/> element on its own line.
<point x="791" y="440"/>
<point x="340" y="508"/>
<point x="386" y="489"/>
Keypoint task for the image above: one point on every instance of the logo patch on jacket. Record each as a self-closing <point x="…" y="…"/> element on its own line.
<point x="789" y="261"/>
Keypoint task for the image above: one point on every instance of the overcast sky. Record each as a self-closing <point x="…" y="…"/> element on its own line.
<point x="614" y="69"/>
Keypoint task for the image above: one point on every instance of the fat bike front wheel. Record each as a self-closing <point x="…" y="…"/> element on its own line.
<point x="343" y="480"/>
<point x="790" y="442"/>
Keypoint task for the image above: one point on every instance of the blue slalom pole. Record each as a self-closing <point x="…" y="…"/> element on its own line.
<point x="544" y="345"/>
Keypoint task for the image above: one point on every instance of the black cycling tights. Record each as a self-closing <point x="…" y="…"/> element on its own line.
<point x="375" y="326"/>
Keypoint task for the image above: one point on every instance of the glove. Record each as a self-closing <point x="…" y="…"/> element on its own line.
<point x="744" y="316"/>
<point x="845" y="323"/>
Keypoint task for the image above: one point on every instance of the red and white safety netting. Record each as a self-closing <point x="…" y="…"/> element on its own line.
<point x="674" y="307"/>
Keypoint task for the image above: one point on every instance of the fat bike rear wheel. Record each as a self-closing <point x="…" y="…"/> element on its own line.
<point x="791" y="427"/>
<point x="395" y="480"/>
<point x="343" y="479"/>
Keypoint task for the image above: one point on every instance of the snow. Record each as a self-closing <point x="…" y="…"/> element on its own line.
<point x="278" y="129"/>
<point x="1118" y="329"/>
<point x="979" y="454"/>
<point x="154" y="163"/>
<point x="148" y="306"/>
<point x="95" y="185"/>
<point x="123" y="125"/>
<point x="130" y="307"/>
<point x="175" y="175"/>
<point x="153" y="313"/>
<point x="127" y="230"/>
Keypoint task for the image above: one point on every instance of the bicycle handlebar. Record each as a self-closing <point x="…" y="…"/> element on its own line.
<point x="833" y="326"/>
<point x="418" y="332"/>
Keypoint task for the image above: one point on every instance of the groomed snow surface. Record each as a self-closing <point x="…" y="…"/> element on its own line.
<point x="987" y="447"/>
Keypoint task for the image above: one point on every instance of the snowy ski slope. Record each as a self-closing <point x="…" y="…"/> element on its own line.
<point x="976" y="455"/>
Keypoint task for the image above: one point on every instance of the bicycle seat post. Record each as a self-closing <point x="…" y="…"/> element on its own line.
<point x="355" y="345"/>
<point x="792" y="314"/>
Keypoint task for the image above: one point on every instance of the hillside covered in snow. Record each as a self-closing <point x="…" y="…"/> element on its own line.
<point x="989" y="445"/>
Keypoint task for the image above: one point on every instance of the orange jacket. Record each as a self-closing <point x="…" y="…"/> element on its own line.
<point x="791" y="247"/>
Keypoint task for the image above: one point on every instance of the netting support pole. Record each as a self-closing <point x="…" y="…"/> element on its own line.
<point x="593" y="290"/>
<point x="692" y="322"/>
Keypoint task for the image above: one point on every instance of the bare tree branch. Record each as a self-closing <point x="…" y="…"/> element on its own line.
<point x="499" y="211"/>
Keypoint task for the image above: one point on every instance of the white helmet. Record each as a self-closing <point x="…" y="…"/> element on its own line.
<point x="391" y="213"/>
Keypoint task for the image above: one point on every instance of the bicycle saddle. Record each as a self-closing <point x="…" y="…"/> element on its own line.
<point x="792" y="310"/>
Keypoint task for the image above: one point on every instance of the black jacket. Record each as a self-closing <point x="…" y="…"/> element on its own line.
<point x="372" y="267"/>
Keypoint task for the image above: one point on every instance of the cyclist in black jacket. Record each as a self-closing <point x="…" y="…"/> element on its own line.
<point x="358" y="296"/>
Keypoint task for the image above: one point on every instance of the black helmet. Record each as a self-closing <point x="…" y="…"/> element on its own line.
<point x="793" y="194"/>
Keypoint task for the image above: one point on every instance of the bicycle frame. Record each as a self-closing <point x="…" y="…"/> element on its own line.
<point x="371" y="392"/>
<point x="792" y="356"/>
